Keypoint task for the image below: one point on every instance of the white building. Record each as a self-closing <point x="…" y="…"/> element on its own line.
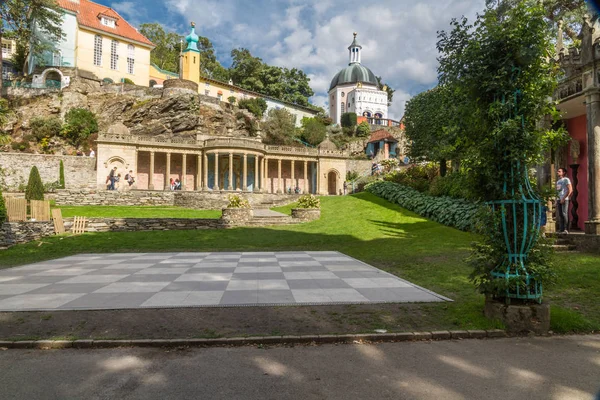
<point x="355" y="89"/>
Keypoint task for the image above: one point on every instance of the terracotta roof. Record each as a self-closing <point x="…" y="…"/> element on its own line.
<point x="88" y="15"/>
<point x="380" y="135"/>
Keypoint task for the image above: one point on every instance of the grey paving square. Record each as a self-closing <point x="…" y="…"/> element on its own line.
<point x="201" y="279"/>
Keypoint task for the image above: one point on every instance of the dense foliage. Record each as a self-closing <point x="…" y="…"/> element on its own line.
<point x="348" y="120"/>
<point x="458" y="213"/>
<point x="309" y="201"/>
<point x="61" y="175"/>
<point x="3" y="215"/>
<point x="313" y="131"/>
<point x="80" y="123"/>
<point x="418" y="177"/>
<point x="45" y="127"/>
<point x="35" y="187"/>
<point x="363" y="130"/>
<point x="237" y="201"/>
<point x="280" y="127"/>
<point x="256" y="106"/>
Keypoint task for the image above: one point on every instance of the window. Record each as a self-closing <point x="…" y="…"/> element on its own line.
<point x="114" y="55"/>
<point x="231" y="91"/>
<point x="207" y="84"/>
<point x="130" y="59"/>
<point x="152" y="83"/>
<point x="98" y="50"/>
<point x="111" y="23"/>
<point x="220" y="96"/>
<point x="207" y="92"/>
<point x="56" y="59"/>
<point x="343" y="94"/>
<point x="343" y="108"/>
<point x="6" y="49"/>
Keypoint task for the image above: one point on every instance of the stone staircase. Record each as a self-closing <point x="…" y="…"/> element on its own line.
<point x="287" y="199"/>
<point x="563" y="244"/>
<point x="266" y="217"/>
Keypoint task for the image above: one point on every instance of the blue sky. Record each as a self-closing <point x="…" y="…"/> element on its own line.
<point x="398" y="36"/>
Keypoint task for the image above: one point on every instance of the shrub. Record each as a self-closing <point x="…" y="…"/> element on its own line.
<point x="3" y="215"/>
<point x="456" y="184"/>
<point x="35" y="187"/>
<point x="231" y="99"/>
<point x="348" y="120"/>
<point x="61" y="175"/>
<point x="458" y="213"/>
<point x="352" y="176"/>
<point x="20" y="146"/>
<point x="309" y="201"/>
<point x="418" y="177"/>
<point x="313" y="131"/>
<point x="128" y="81"/>
<point x="45" y="127"/>
<point x="79" y="125"/>
<point x="237" y="201"/>
<point x="256" y="106"/>
<point x="280" y="127"/>
<point x="51" y="187"/>
<point x="363" y="130"/>
<point x="363" y="181"/>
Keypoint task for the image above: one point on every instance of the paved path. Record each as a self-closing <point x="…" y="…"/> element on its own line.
<point x="558" y="368"/>
<point x="259" y="212"/>
<point x="132" y="280"/>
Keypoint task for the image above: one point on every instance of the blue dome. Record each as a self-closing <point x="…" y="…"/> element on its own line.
<point x="353" y="73"/>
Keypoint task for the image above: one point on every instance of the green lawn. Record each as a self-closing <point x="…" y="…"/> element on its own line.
<point x="136" y="212"/>
<point x="369" y="229"/>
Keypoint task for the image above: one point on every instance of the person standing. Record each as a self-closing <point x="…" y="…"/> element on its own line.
<point x="564" y="190"/>
<point x="112" y="175"/>
<point x="92" y="153"/>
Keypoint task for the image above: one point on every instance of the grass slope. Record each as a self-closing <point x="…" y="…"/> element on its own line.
<point x="372" y="230"/>
<point x="136" y="212"/>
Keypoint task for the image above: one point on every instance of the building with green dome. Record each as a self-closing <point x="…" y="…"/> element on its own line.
<point x="355" y="89"/>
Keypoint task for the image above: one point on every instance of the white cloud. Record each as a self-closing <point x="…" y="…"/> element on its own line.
<point x="398" y="36"/>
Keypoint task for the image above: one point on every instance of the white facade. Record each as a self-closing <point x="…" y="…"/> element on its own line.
<point x="297" y="112"/>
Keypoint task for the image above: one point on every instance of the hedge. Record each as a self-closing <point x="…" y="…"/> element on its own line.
<point x="3" y="215"/>
<point x="458" y="213"/>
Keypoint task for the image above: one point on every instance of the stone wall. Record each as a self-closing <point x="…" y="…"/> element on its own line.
<point x="196" y="200"/>
<point x="363" y="167"/>
<point x="15" y="168"/>
<point x="145" y="224"/>
<point x="114" y="198"/>
<point x="12" y="233"/>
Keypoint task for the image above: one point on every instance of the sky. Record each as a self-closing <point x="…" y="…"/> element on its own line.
<point x="398" y="36"/>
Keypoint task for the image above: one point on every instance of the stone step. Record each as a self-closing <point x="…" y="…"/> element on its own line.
<point x="561" y="248"/>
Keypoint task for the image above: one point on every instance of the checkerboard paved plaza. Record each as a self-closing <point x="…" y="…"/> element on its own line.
<point x="134" y="280"/>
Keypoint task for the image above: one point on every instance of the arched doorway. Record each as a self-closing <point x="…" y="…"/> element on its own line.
<point x="332" y="183"/>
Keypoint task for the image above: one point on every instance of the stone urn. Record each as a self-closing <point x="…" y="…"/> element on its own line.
<point x="306" y="214"/>
<point x="236" y="216"/>
<point x="520" y="318"/>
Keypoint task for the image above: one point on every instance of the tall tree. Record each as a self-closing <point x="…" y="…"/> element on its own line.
<point x="388" y="89"/>
<point x="35" y="24"/>
<point x="166" y="53"/>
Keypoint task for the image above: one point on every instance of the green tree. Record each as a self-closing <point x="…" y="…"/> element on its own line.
<point x="35" y="187"/>
<point x="42" y="127"/>
<point x="4" y="112"/>
<point x="430" y="127"/>
<point x="80" y="123"/>
<point x="363" y="130"/>
<point x="256" y="106"/>
<point x="348" y="120"/>
<point x="387" y="88"/>
<point x="61" y="175"/>
<point x="280" y="127"/>
<point x="313" y="131"/>
<point x="231" y="99"/>
<point x="166" y="53"/>
<point x="36" y="25"/>
<point x="3" y="214"/>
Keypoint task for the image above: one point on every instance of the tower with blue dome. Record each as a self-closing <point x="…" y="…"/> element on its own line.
<point x="191" y="57"/>
<point x="355" y="89"/>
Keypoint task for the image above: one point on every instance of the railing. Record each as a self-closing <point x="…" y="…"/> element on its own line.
<point x="382" y="121"/>
<point x="221" y="142"/>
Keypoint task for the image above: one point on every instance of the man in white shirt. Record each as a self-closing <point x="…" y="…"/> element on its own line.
<point x="92" y="153"/>
<point x="564" y="190"/>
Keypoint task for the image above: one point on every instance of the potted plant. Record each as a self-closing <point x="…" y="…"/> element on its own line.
<point x="237" y="212"/>
<point x="308" y="208"/>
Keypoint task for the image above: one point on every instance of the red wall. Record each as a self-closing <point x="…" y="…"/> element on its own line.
<point x="577" y="128"/>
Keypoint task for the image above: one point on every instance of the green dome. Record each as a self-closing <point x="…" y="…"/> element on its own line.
<point x="353" y="73"/>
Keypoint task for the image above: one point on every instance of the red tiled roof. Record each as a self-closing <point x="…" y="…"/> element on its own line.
<point x="380" y="135"/>
<point x="88" y="15"/>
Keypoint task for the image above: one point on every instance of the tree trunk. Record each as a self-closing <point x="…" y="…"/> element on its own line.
<point x="443" y="168"/>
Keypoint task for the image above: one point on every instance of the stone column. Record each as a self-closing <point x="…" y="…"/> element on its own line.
<point x="592" y="225"/>
<point x="183" y="169"/>
<point x="293" y="180"/>
<point x="168" y="172"/>
<point x="305" y="189"/>
<point x="199" y="172"/>
<point x="216" y="186"/>
<point x="151" y="172"/>
<point x="265" y="175"/>
<point x="230" y="186"/>
<point x="245" y="173"/>
<point x="256" y="174"/>
<point x="205" y="177"/>
<point x="279" y="176"/>
<point x="318" y="182"/>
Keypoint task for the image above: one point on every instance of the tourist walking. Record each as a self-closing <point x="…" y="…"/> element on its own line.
<point x="345" y="187"/>
<point x="564" y="190"/>
<point x="172" y="183"/>
<point x="129" y="178"/>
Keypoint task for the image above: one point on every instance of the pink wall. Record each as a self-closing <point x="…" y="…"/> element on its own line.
<point x="577" y="128"/>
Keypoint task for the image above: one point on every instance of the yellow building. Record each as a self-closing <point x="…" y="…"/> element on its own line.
<point x="98" y="40"/>
<point x="9" y="47"/>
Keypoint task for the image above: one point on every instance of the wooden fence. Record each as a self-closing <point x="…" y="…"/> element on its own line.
<point x="16" y="209"/>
